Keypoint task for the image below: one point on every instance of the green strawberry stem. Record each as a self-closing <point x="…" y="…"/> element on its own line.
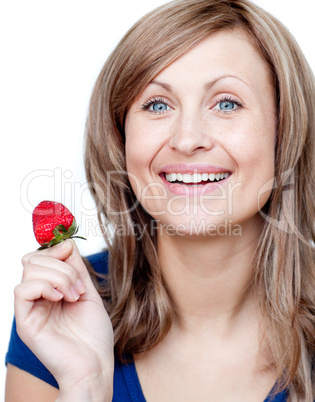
<point x="61" y="234"/>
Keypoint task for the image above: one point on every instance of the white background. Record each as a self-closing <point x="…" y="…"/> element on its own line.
<point x="51" y="54"/>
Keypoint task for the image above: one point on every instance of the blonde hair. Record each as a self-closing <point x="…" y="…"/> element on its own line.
<point x="136" y="298"/>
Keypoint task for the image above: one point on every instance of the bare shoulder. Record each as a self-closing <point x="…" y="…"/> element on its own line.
<point x="24" y="387"/>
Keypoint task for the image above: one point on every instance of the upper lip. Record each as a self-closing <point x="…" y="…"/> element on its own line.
<point x="191" y="168"/>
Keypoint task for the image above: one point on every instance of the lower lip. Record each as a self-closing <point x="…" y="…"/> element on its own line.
<point x="193" y="190"/>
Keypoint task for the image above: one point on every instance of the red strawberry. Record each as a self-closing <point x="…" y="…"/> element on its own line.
<point x="53" y="223"/>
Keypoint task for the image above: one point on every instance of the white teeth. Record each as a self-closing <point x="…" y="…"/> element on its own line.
<point x="204" y="176"/>
<point x="196" y="177"/>
<point x="187" y="178"/>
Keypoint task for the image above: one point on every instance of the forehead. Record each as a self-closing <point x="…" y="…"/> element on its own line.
<point x="227" y="52"/>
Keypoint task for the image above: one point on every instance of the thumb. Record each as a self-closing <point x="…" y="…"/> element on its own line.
<point x="74" y="259"/>
<point x="59" y="252"/>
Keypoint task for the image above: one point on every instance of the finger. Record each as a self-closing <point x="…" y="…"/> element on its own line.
<point x="60" y="275"/>
<point x="60" y="252"/>
<point x="50" y="262"/>
<point x="76" y="261"/>
<point x="27" y="293"/>
<point x="53" y="256"/>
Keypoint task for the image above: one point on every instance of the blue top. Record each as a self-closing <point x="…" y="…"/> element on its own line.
<point x="127" y="387"/>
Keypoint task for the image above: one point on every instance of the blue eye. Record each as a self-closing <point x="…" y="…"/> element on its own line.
<point x="156" y="105"/>
<point x="159" y="107"/>
<point x="226" y="105"/>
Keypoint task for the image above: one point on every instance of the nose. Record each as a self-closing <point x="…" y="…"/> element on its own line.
<point x="191" y="133"/>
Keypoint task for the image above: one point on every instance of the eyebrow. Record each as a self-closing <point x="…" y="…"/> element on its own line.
<point x="167" y="87"/>
<point x="206" y="87"/>
<point x="210" y="84"/>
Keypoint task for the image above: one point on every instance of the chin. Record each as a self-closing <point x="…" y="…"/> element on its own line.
<point x="197" y="227"/>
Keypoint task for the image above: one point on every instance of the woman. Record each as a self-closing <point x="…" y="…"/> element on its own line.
<point x="200" y="145"/>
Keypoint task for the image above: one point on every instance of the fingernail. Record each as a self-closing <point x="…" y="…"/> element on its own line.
<point x="75" y="294"/>
<point x="63" y="244"/>
<point x="58" y="294"/>
<point x="80" y="286"/>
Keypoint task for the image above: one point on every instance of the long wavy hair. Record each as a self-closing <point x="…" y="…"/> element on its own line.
<point x="134" y="294"/>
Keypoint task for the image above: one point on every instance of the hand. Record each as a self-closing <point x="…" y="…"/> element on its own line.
<point x="61" y="318"/>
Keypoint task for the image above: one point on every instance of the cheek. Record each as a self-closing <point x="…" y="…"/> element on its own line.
<point x="134" y="145"/>
<point x="134" y="164"/>
<point x="131" y="146"/>
<point x="140" y="149"/>
<point x="252" y="143"/>
<point x="253" y="152"/>
<point x="144" y="139"/>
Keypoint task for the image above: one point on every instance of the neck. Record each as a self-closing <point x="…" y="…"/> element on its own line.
<point x="209" y="278"/>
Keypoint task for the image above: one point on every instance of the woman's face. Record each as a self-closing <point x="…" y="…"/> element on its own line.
<point x="200" y="138"/>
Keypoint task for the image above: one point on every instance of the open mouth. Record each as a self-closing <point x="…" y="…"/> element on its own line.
<point x="196" y="178"/>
